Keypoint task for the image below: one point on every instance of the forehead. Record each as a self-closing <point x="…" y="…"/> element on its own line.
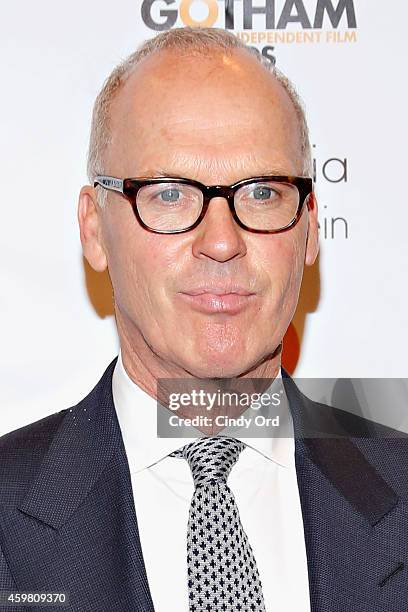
<point x="196" y="110"/>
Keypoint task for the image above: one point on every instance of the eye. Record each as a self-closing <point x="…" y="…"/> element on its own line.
<point x="170" y="195"/>
<point x="261" y="192"/>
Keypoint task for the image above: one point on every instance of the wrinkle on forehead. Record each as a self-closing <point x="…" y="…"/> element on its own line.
<point x="236" y="167"/>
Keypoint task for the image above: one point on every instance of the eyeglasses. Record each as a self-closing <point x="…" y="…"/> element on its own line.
<point x="263" y="204"/>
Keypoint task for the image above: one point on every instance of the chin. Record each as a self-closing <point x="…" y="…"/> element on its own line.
<point x="216" y="368"/>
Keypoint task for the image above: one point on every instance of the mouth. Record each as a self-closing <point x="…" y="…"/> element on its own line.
<point x="218" y="300"/>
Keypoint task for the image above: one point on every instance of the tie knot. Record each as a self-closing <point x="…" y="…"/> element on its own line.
<point x="211" y="459"/>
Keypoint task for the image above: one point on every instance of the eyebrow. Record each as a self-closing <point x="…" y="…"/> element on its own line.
<point x="163" y="173"/>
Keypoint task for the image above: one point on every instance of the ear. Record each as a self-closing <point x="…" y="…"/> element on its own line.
<point x="312" y="243"/>
<point x="90" y="227"/>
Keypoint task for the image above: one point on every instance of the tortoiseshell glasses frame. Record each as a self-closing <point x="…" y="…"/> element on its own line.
<point x="130" y="187"/>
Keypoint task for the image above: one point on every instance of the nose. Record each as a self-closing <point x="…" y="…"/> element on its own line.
<point x="218" y="236"/>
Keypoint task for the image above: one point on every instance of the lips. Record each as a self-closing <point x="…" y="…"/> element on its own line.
<point x="219" y="291"/>
<point x="218" y="300"/>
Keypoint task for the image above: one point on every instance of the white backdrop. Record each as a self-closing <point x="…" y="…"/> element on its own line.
<point x="56" y="341"/>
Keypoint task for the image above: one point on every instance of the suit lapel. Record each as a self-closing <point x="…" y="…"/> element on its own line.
<point x="352" y="517"/>
<point x="77" y="520"/>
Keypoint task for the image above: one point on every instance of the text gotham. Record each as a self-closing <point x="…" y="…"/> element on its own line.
<point x="163" y="14"/>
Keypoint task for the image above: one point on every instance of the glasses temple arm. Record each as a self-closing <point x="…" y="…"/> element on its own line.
<point x="109" y="182"/>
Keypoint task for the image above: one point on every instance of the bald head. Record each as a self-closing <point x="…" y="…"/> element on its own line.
<point x="200" y="114"/>
<point x="193" y="44"/>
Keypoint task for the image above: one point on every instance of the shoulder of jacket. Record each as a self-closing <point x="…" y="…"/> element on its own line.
<point x="21" y="454"/>
<point x="32" y="435"/>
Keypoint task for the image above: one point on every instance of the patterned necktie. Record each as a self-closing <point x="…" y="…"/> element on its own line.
<point x="222" y="571"/>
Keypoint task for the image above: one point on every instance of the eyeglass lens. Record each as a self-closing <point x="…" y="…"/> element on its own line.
<point x="266" y="205"/>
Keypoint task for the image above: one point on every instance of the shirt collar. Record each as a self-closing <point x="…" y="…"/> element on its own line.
<point x="137" y="415"/>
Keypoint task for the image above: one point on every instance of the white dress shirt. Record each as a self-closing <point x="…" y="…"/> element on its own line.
<point x="263" y="482"/>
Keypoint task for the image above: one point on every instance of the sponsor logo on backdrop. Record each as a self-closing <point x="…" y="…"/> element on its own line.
<point x="332" y="170"/>
<point x="261" y="24"/>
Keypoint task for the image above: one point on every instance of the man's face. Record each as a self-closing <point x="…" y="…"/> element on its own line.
<point x="217" y="120"/>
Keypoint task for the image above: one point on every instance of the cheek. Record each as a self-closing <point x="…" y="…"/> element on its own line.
<point x="129" y="255"/>
<point x="143" y="268"/>
<point x="281" y="259"/>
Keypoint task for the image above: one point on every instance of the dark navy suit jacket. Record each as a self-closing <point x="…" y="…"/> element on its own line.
<point x="68" y="522"/>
